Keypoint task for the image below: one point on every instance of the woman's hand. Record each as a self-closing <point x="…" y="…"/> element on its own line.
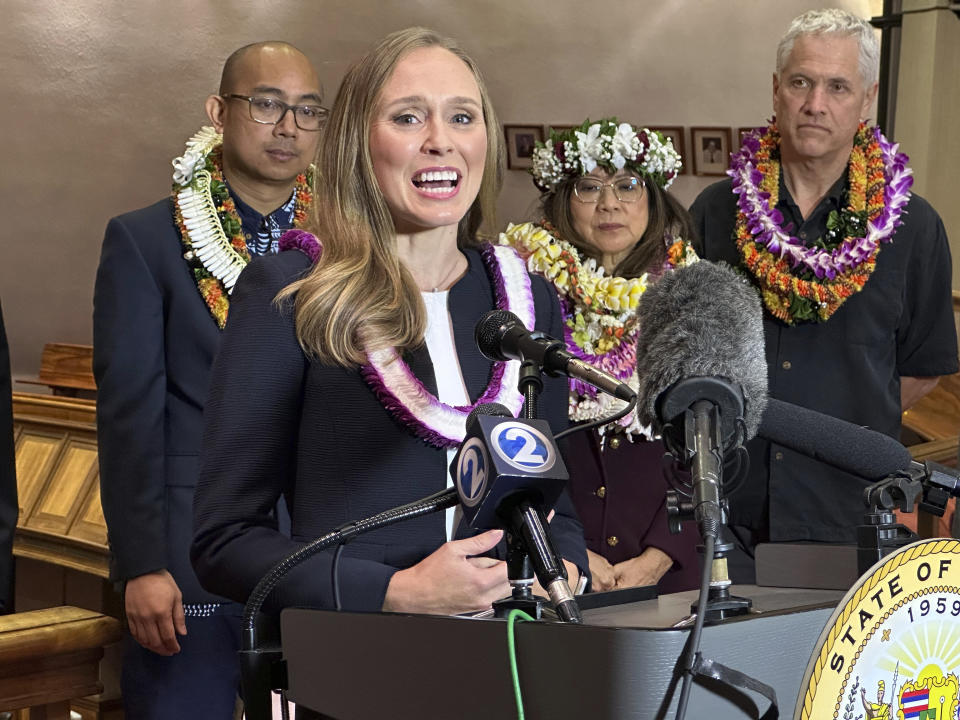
<point x="603" y="576"/>
<point x="450" y="580"/>
<point x="645" y="569"/>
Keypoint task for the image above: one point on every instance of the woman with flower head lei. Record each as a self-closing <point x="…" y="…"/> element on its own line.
<point x="348" y="369"/>
<point x="609" y="228"/>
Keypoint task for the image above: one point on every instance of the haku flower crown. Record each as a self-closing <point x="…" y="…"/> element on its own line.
<point x="610" y="144"/>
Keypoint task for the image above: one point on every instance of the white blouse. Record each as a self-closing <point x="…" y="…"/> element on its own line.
<point x="446" y="366"/>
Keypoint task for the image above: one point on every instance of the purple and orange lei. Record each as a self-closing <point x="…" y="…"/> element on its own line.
<point x="801" y="283"/>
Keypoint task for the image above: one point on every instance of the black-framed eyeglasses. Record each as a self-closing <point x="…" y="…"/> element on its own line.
<point x="270" y="111"/>
<point x="626" y="189"/>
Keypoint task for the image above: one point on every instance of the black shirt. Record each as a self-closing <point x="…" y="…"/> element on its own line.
<point x="900" y="324"/>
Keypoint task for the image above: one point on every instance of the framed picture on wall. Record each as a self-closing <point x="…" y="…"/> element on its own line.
<point x="675" y="134"/>
<point x="743" y="132"/>
<point x="710" y="148"/>
<point x="521" y="140"/>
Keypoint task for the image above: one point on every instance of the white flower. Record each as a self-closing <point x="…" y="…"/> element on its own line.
<point x="612" y="146"/>
<point x="184" y="167"/>
<point x="622" y="144"/>
<point x="198" y="147"/>
<point x="546" y="166"/>
<point x="590" y="147"/>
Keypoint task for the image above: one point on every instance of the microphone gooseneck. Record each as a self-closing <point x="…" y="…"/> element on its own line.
<point x="256" y="662"/>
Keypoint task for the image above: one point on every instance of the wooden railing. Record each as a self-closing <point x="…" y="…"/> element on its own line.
<point x="50" y="657"/>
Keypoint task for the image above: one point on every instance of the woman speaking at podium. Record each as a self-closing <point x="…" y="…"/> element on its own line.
<point x="348" y="365"/>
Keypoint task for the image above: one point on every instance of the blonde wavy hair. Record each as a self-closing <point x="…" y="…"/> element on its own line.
<point x="359" y="296"/>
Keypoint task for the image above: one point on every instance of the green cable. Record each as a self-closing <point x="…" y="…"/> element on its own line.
<point x="512" y="650"/>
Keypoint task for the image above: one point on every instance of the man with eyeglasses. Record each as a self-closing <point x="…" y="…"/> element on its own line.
<point x="162" y="296"/>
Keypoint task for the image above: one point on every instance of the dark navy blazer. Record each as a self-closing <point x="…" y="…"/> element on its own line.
<point x="154" y="341"/>
<point x="279" y="424"/>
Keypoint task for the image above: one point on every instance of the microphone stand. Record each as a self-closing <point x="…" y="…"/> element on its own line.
<point x="928" y="484"/>
<point x="530" y="385"/>
<point x="519" y="568"/>
<point x="520" y="572"/>
<point x="702" y="403"/>
<point x="703" y="452"/>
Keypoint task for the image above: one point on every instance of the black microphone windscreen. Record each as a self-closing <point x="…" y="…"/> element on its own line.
<point x="702" y="319"/>
<point x="490" y="330"/>
<point x="492" y="408"/>
<point x="848" y="447"/>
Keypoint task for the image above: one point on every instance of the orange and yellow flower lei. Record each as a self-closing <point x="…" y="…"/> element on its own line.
<point x="214" y="291"/>
<point x="788" y="292"/>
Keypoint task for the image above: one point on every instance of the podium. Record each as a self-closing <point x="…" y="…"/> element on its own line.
<point x="620" y="664"/>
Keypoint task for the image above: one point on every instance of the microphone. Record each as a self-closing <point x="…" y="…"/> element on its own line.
<point x="500" y="335"/>
<point x="701" y="320"/>
<point x="508" y="474"/>
<point x="854" y="449"/>
<point x="702" y="372"/>
<point x="701" y="337"/>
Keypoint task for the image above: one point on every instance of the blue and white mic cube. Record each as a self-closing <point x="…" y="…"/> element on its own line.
<point x="502" y="458"/>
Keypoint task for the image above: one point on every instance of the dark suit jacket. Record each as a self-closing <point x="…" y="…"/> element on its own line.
<point x="278" y="423"/>
<point x="153" y="344"/>
<point x="9" y="508"/>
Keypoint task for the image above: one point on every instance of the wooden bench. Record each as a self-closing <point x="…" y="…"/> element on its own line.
<point x="67" y="370"/>
<point x="50" y="657"/>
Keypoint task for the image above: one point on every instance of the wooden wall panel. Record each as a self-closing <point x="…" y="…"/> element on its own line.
<point x="37" y="452"/>
<point x="69" y="485"/>
<point x="90" y="524"/>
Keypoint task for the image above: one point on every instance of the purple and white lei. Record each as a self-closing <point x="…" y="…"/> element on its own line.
<point x="404" y="396"/>
<point x="763" y="222"/>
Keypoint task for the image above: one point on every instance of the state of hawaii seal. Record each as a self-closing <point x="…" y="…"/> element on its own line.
<point x="891" y="650"/>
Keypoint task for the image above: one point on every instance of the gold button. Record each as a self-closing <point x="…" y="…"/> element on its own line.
<point x="614" y="443"/>
<point x="786" y="365"/>
<point x="601" y="492"/>
<point x="779" y="456"/>
<point x="612" y="541"/>
<point x="248" y="236"/>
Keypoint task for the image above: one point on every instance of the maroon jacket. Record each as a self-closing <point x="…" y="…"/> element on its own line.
<point x="619" y="494"/>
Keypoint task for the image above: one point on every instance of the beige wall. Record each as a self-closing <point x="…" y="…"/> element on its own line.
<point x="99" y="96"/>
<point x="928" y="107"/>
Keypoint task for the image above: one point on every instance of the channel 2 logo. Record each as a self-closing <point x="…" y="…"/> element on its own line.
<point x="472" y="472"/>
<point x="523" y="447"/>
